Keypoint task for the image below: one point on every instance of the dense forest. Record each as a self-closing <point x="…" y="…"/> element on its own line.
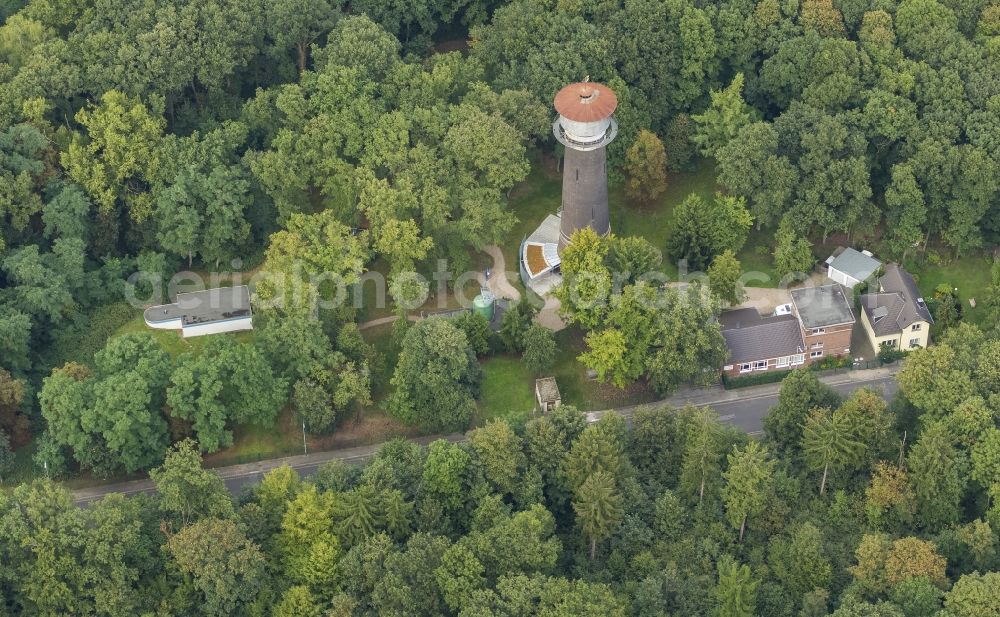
<point x="305" y="137"/>
<point x="846" y="507"/>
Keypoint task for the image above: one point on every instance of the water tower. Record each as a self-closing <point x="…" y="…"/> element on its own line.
<point x="585" y="126"/>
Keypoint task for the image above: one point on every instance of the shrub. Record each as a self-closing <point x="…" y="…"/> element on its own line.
<point x="888" y="355"/>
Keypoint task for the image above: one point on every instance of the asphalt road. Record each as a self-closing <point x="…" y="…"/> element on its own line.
<point x="748" y="413"/>
<point x="744" y="409"/>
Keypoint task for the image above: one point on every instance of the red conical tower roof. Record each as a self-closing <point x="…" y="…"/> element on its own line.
<point x="586" y="101"/>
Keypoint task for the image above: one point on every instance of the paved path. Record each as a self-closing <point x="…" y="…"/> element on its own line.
<point x="744" y="408"/>
<point x="499" y="283"/>
<point x="381" y="321"/>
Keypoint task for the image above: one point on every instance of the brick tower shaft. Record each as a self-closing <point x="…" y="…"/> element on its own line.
<point x="585" y="126"/>
<point x="584" y="193"/>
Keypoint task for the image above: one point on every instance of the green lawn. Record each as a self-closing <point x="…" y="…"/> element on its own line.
<point x="170" y="340"/>
<point x="971" y="275"/>
<point x="531" y="201"/>
<point x="256" y="443"/>
<point x="508" y="388"/>
<point x="655" y="221"/>
<point x="507" y="391"/>
<point x="756" y="258"/>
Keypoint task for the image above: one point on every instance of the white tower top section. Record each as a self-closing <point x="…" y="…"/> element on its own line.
<point x="585" y="119"/>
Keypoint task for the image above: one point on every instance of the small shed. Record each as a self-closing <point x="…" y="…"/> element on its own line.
<point x="547" y="393"/>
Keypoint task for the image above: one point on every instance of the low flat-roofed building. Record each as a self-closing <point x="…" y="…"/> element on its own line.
<point x="761" y="343"/>
<point x="212" y="311"/>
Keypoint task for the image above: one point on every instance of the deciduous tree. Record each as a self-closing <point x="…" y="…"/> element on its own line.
<point x="499" y="450"/>
<point x="725" y="117"/>
<point x="704" y="229"/>
<point x="800" y="393"/>
<point x="226" y="569"/>
<point x="227" y="383"/>
<point x="932" y="381"/>
<point x="686" y="352"/>
<point x="632" y="257"/>
<point x="973" y="595"/>
<point x="752" y="166"/>
<point x="436" y="377"/>
<point x="313" y="249"/>
<point x="889" y="498"/>
<point x="116" y="160"/>
<point x="724" y="277"/>
<point x="646" y="167"/>
<point x="188" y="492"/>
<point x="801" y="561"/>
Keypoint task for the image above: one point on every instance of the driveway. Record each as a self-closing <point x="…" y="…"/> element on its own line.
<point x="765" y="299"/>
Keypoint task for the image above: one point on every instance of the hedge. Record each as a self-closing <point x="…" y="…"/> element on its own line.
<point x="756" y="379"/>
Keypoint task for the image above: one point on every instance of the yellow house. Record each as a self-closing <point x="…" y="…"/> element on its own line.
<point x="896" y="315"/>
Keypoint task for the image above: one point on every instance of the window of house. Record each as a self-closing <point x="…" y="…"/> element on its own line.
<point x="746" y="367"/>
<point x="891" y="343"/>
<point x="916" y="327"/>
<point x="914" y="342"/>
<point x="783" y="361"/>
<point x="816" y="354"/>
<point x="798" y="358"/>
<point x="760" y="365"/>
<point x="817" y="345"/>
<point x="816" y="331"/>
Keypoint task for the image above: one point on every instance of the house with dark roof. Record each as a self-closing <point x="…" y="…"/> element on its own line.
<point x="850" y="267"/>
<point x="826" y="318"/>
<point x="212" y="311"/>
<point x="896" y="315"/>
<point x="761" y="343"/>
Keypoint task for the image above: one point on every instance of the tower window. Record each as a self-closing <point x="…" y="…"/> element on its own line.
<point x="577" y="175"/>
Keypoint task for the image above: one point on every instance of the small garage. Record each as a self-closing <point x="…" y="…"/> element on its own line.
<point x="850" y="267"/>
